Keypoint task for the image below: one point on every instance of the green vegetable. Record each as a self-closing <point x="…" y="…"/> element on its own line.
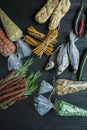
<point x="86" y="31"/>
<point x="83" y="61"/>
<point x="77" y="18"/>
<point x="32" y="83"/>
<point x="66" y="109"/>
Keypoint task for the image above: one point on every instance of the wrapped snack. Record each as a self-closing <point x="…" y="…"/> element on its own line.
<point x="42" y="105"/>
<point x="64" y="86"/>
<point x="45" y="12"/>
<point x="13" y="32"/>
<point x="7" y="48"/>
<point x="59" y="13"/>
<point x="63" y="108"/>
<point x="23" y="49"/>
<point x="36" y="34"/>
<point x="45" y="87"/>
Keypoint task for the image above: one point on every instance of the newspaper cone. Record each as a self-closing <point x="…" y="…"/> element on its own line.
<point x="13" y="32"/>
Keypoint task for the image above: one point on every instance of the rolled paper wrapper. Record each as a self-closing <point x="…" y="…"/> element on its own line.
<point x="23" y="49"/>
<point x="6" y="46"/>
<point x="13" y="32"/>
<point x="64" y="86"/>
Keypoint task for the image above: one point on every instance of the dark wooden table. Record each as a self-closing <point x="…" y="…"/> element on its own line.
<point x="22" y="115"/>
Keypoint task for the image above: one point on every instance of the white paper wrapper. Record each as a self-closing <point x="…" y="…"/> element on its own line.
<point x="14" y="62"/>
<point x="42" y="105"/>
<point x="23" y="49"/>
<point x="45" y="87"/>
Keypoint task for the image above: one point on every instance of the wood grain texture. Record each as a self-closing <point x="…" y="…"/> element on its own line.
<point x="22" y="115"/>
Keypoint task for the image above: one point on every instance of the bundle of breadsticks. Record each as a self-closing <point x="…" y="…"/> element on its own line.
<point x="44" y="43"/>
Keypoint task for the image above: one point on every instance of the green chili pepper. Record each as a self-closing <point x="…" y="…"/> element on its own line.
<point x="86" y="31"/>
<point x="78" y="17"/>
<point x="84" y="58"/>
<point x="66" y="109"/>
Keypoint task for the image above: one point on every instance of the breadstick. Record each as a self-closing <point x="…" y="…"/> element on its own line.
<point x="59" y="12"/>
<point x="44" y="14"/>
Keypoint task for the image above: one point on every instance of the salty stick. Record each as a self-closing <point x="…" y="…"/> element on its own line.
<point x="35" y="43"/>
<point x="13" y="32"/>
<point x="6" y="84"/>
<point x="43" y="46"/>
<point x="40" y="36"/>
<point x="9" y="76"/>
<point x="21" y="98"/>
<point x="21" y="90"/>
<point x="11" y="99"/>
<point x="12" y="87"/>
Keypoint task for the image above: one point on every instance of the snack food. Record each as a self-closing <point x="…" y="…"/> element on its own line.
<point x="59" y="13"/>
<point x="44" y="14"/>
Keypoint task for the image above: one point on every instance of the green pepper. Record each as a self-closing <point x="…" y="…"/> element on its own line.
<point x="81" y="67"/>
<point x="86" y="31"/>
<point x="63" y="108"/>
<point x="77" y="18"/>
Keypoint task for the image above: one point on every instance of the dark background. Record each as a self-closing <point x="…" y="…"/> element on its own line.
<point x="22" y="115"/>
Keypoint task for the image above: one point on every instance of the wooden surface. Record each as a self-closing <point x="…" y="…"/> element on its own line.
<point x="22" y="115"/>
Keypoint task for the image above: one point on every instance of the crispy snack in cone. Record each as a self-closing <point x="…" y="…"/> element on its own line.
<point x="59" y="13"/>
<point x="44" y="14"/>
<point x="47" y="42"/>
<point x="13" y="32"/>
<point x="63" y="86"/>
